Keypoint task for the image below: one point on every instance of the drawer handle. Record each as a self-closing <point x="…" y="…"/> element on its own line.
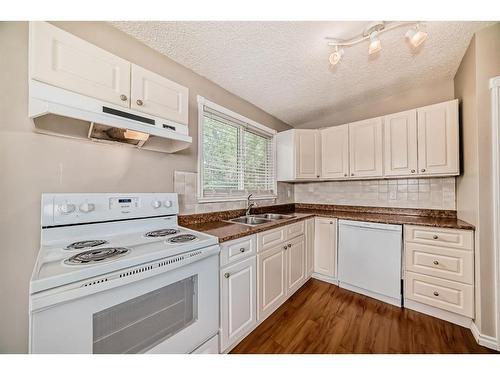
<point x="436" y="294"/>
<point x="226" y="275"/>
<point x="436" y="262"/>
<point x="435" y="236"/>
<point x="242" y="250"/>
<point x="289" y="245"/>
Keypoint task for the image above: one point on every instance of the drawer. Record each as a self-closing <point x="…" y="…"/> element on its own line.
<point x="294" y="230"/>
<point x="440" y="293"/>
<point x="456" y="238"/>
<point x="270" y="238"/>
<point x="235" y="250"/>
<point x="447" y="263"/>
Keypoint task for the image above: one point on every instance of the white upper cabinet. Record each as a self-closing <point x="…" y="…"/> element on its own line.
<point x="335" y="152"/>
<point x="66" y="61"/>
<point x="156" y="95"/>
<point x="365" y="148"/>
<point x="400" y="144"/>
<point x="307" y="156"/>
<point x="298" y="154"/>
<point x="438" y="139"/>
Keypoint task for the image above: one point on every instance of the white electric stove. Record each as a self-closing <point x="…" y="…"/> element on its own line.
<point x="116" y="274"/>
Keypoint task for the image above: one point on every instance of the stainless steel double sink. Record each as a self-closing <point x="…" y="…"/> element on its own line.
<point x="253" y="220"/>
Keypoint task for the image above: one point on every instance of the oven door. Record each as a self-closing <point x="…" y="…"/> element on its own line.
<point x="170" y="312"/>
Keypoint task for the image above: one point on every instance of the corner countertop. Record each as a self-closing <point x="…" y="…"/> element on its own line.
<point x="216" y="225"/>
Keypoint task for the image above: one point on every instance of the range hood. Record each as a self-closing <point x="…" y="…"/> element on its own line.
<point x="64" y="113"/>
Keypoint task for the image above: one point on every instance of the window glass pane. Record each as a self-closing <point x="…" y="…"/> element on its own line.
<point x="220" y="156"/>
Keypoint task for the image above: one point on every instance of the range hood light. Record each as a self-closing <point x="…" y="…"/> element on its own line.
<point x="138" y="136"/>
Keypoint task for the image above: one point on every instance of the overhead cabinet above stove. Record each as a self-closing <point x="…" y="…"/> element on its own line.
<point x="73" y="78"/>
<point x="420" y="142"/>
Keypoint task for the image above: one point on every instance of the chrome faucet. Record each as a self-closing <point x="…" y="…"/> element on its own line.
<point x="249" y="205"/>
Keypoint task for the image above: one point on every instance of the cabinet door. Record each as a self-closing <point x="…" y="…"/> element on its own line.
<point x="325" y="246"/>
<point x="238" y="301"/>
<point x="296" y="267"/>
<point x="271" y="280"/>
<point x="309" y="247"/>
<point x="156" y="95"/>
<point x="438" y="138"/>
<point x="63" y="60"/>
<point x="335" y="152"/>
<point x="365" y="148"/>
<point x="307" y="154"/>
<point x="400" y="144"/>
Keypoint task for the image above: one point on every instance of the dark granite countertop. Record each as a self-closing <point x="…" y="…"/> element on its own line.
<point x="215" y="224"/>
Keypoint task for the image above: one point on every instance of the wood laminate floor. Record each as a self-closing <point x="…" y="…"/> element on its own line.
<point x="323" y="318"/>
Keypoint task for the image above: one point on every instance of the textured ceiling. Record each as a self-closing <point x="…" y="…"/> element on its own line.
<point x="283" y="68"/>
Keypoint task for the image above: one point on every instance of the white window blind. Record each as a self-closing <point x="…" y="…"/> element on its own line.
<point x="237" y="158"/>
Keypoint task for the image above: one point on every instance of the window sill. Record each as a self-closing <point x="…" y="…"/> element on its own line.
<point x="235" y="199"/>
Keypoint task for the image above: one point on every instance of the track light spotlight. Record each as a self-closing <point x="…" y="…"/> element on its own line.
<point x="415" y="36"/>
<point x="375" y="45"/>
<point x="336" y="56"/>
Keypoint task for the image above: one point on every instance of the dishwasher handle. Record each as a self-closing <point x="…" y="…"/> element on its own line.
<point x="367" y="225"/>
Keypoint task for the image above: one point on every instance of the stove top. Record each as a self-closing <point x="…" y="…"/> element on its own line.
<point x="100" y="248"/>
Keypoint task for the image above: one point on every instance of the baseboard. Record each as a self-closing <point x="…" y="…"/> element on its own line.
<point x="438" y="313"/>
<point x="327" y="279"/>
<point x="484" y="340"/>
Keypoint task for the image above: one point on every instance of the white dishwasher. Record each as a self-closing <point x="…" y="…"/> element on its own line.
<point x="370" y="259"/>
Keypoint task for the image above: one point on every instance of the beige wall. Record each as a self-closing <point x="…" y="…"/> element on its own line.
<point x="481" y="62"/>
<point x="32" y="163"/>
<point x="379" y="104"/>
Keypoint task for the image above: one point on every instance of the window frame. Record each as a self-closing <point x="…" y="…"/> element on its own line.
<point x="259" y="128"/>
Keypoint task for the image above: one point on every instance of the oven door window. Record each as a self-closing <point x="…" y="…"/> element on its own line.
<point x="139" y="324"/>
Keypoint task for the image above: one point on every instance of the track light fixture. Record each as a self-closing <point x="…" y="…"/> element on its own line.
<point x="336" y="56"/>
<point x="414" y="35"/>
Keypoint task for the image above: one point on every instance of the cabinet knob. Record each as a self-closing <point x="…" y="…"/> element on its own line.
<point x="412" y="171"/>
<point x="422" y="170"/>
<point x="345" y="174"/>
<point x="352" y="174"/>
<point x="289" y="245"/>
<point x="331" y="222"/>
<point x="226" y="275"/>
<point x="436" y="262"/>
<point x="123" y="98"/>
<point x="435" y="237"/>
<point x="436" y="294"/>
<point x="285" y="247"/>
<point x="242" y="250"/>
<point x="139" y="102"/>
<point x="317" y="176"/>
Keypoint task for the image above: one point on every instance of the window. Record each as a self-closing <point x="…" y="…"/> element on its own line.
<point x="236" y="155"/>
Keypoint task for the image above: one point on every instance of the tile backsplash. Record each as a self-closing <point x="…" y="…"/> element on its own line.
<point x="432" y="193"/>
<point x="185" y="184"/>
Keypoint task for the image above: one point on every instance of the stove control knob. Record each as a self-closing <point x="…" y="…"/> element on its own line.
<point x="167" y="203"/>
<point x="67" y="208"/>
<point x="156" y="204"/>
<point x="86" y="207"/>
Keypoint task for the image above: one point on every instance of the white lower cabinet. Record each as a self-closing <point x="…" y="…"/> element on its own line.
<point x="309" y="239"/>
<point x="238" y="301"/>
<point x="296" y="264"/>
<point x="272" y="280"/>
<point x="325" y="247"/>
